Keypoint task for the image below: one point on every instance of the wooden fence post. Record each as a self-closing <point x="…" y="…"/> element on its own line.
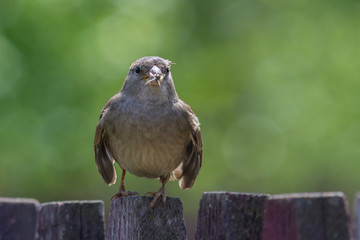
<point x="230" y="215"/>
<point x="131" y="218"/>
<point x="357" y="217"/>
<point x="307" y="216"/>
<point x="18" y="218"/>
<point x="71" y="220"/>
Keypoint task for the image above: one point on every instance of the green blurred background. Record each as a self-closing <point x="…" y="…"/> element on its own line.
<point x="275" y="85"/>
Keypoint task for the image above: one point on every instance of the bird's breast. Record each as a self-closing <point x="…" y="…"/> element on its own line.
<point x="148" y="142"/>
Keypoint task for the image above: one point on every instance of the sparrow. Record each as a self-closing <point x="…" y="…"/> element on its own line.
<point x="149" y="131"/>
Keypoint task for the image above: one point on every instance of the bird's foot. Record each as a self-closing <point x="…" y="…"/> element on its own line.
<point x="160" y="193"/>
<point x="124" y="193"/>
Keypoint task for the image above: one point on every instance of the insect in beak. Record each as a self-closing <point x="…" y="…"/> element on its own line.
<point x="155" y="77"/>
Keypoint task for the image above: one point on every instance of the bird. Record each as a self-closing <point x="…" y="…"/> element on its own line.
<point x="149" y="131"/>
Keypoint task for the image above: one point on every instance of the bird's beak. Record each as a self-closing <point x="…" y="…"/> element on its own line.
<point x="155" y="77"/>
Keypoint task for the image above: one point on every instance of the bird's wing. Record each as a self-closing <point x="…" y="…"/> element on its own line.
<point x="190" y="166"/>
<point x="104" y="160"/>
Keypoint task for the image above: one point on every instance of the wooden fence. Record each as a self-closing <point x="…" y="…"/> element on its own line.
<point x="222" y="215"/>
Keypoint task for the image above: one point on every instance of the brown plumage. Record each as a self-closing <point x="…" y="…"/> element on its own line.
<point x="148" y="130"/>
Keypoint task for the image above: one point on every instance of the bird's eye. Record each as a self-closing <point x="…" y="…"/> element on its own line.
<point x="137" y="69"/>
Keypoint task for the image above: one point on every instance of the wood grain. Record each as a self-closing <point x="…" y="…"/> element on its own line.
<point x="131" y="218"/>
<point x="230" y="215"/>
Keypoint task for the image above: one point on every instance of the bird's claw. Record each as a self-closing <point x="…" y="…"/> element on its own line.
<point x="124" y="193"/>
<point x="157" y="195"/>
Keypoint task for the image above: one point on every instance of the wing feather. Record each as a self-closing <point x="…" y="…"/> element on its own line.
<point x="103" y="158"/>
<point x="190" y="166"/>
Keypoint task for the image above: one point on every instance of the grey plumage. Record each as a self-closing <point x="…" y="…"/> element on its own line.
<point x="147" y="129"/>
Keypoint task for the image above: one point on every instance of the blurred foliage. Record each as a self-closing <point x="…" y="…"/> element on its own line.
<point x="275" y="85"/>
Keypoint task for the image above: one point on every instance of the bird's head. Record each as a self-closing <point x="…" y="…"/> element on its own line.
<point x="152" y="70"/>
<point x="149" y="77"/>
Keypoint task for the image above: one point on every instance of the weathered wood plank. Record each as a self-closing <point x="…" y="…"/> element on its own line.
<point x="18" y="218"/>
<point x="71" y="220"/>
<point x="131" y="218"/>
<point x="307" y="216"/>
<point x="230" y="215"/>
<point x="357" y="217"/>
